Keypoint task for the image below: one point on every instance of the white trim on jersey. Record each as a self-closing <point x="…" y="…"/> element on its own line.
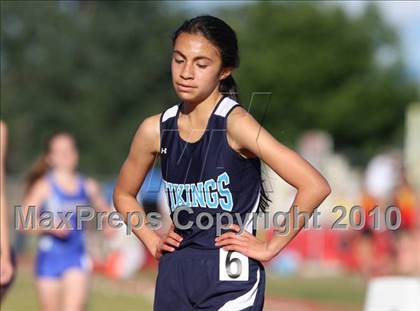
<point x="170" y="113"/>
<point x="164" y="199"/>
<point x="225" y="106"/>
<point x="244" y="301"/>
<point x="249" y="222"/>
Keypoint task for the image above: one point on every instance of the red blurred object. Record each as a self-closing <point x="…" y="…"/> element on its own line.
<point x="405" y="200"/>
<point x="332" y="247"/>
<point x="150" y="262"/>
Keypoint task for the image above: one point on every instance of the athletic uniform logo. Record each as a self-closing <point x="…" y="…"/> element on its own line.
<point x="164" y="150"/>
<point x="208" y="194"/>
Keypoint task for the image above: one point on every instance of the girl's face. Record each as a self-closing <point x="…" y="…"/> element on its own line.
<point x="63" y="153"/>
<point x="196" y="67"/>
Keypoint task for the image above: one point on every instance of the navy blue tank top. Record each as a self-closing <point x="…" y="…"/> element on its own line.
<point x="206" y="175"/>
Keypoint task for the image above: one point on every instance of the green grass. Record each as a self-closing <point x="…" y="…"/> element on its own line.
<point x="107" y="294"/>
<point x="22" y="296"/>
<point x="336" y="290"/>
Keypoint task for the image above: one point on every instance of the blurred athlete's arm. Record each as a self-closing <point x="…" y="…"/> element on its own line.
<point x="249" y="138"/>
<point x="32" y="203"/>
<point x="6" y="265"/>
<point x="99" y="203"/>
<point x="143" y="151"/>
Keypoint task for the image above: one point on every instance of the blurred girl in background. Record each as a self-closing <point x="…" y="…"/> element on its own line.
<point x="54" y="185"/>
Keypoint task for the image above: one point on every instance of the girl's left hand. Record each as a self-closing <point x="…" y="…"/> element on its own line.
<point x="244" y="243"/>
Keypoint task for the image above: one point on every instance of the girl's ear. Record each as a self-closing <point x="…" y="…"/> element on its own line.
<point x="225" y="72"/>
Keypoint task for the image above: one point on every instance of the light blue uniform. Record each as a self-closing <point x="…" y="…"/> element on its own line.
<point x="57" y="255"/>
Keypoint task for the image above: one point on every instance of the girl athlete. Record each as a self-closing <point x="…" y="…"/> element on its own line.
<point x="54" y="185"/>
<point x="214" y="170"/>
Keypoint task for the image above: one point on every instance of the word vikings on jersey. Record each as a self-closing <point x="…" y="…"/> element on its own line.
<point x="211" y="193"/>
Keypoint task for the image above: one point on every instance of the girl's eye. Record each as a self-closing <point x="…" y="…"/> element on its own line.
<point x="201" y="66"/>
<point x="178" y="61"/>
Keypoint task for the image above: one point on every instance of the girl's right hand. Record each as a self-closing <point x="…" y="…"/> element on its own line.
<point x="168" y="243"/>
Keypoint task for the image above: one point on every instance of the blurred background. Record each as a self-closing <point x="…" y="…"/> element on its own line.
<point x="336" y="81"/>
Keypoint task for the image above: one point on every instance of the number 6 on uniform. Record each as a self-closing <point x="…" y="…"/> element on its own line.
<point x="233" y="266"/>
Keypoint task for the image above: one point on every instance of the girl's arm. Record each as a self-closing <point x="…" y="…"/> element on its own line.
<point x="6" y="266"/>
<point x="143" y="151"/>
<point x="32" y="202"/>
<point x="99" y="203"/>
<point x="246" y="135"/>
<point x="4" y="246"/>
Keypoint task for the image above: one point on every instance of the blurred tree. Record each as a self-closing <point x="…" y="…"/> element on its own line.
<point x="99" y="68"/>
<point x="325" y="71"/>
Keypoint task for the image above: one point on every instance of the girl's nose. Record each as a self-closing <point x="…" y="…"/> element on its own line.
<point x="187" y="72"/>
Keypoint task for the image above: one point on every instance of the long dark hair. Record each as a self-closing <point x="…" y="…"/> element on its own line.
<point x="222" y="36"/>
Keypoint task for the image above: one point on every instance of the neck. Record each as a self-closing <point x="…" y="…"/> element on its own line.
<point x="202" y="106"/>
<point x="63" y="174"/>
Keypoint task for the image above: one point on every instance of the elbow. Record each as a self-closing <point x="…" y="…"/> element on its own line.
<point x="328" y="190"/>
<point x="319" y="189"/>
<point x="324" y="189"/>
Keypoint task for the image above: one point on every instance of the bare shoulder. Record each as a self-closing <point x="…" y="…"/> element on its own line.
<point x="240" y="123"/>
<point x="241" y="128"/>
<point x="238" y="112"/>
<point x="92" y="185"/>
<point x="41" y="188"/>
<point x="150" y="126"/>
<point x="238" y="116"/>
<point x="148" y="134"/>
